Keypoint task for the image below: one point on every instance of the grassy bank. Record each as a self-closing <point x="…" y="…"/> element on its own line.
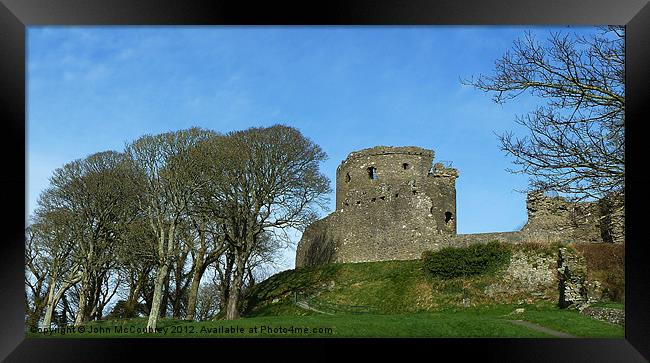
<point x="389" y="287"/>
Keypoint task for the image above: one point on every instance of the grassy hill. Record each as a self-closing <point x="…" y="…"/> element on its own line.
<point x="386" y="287"/>
<point x="390" y="287"/>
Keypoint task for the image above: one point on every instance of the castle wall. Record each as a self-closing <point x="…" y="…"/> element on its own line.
<point x="613" y="223"/>
<point x="470" y="238"/>
<point x="555" y="218"/>
<point x="440" y="186"/>
<point x="318" y="244"/>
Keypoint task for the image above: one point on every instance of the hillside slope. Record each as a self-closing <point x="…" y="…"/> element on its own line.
<point x="390" y="287"/>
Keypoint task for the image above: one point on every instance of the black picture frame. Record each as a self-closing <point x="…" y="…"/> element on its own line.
<point x="15" y="15"/>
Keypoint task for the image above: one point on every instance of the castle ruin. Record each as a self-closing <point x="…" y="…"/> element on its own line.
<point x="393" y="203"/>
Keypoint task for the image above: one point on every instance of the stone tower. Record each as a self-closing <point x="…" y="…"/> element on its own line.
<point x="392" y="203"/>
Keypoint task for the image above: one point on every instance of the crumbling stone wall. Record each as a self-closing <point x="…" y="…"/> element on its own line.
<point x="530" y="272"/>
<point x="470" y="238"/>
<point x="391" y="204"/>
<point x="553" y="218"/>
<point x="613" y="221"/>
<point x="610" y="315"/>
<point x="540" y="273"/>
<point x="572" y="270"/>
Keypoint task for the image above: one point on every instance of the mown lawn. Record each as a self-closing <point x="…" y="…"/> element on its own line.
<point x="490" y="321"/>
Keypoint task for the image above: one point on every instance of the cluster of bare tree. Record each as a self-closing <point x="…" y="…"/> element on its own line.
<point x="148" y="223"/>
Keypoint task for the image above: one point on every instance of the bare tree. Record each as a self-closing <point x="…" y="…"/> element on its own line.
<point x="97" y="194"/>
<point x="180" y="274"/>
<point x="168" y="185"/>
<point x="263" y="260"/>
<point x="575" y="144"/>
<point x="36" y="273"/>
<point x="146" y="225"/>
<point x="51" y="255"/>
<point x="265" y="179"/>
<point x="205" y="230"/>
<point x="107" y="290"/>
<point x="223" y="277"/>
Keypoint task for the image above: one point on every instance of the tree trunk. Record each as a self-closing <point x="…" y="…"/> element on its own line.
<point x="232" y="310"/>
<point x="65" y="310"/>
<point x="178" y="292"/>
<point x="148" y="287"/>
<point x="33" y="316"/>
<point x="52" y="301"/>
<point x="47" y="319"/>
<point x="224" y="284"/>
<point x="157" y="296"/>
<point x="194" y="286"/>
<point x="81" y="307"/>
<point x="134" y="293"/>
<point x="95" y="313"/>
<point x="164" y="302"/>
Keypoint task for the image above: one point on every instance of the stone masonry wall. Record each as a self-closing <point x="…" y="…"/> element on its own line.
<point x="572" y="272"/>
<point x="556" y="219"/>
<point x="530" y="272"/>
<point x="613" y="223"/>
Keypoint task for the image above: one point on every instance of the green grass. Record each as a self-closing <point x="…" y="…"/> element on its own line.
<point x="569" y="321"/>
<point x="488" y="321"/>
<point x="390" y="287"/>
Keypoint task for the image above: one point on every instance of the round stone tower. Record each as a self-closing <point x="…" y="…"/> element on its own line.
<point x="381" y="173"/>
<point x="374" y="172"/>
<point x="391" y="204"/>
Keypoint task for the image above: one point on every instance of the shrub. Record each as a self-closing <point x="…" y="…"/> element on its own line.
<point x="451" y="262"/>
<point x="603" y="256"/>
<point x="122" y="310"/>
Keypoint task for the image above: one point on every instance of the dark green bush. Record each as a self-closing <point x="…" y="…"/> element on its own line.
<point x="122" y="310"/>
<point x="451" y="262"/>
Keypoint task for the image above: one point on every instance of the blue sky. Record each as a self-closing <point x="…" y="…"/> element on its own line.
<point x="346" y="88"/>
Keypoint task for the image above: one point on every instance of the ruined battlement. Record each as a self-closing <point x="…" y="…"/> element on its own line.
<point x="387" y="150"/>
<point x="595" y="221"/>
